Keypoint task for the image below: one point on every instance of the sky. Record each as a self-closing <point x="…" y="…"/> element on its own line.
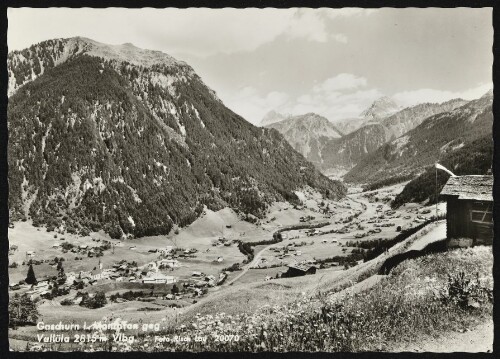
<point x="334" y="62"/>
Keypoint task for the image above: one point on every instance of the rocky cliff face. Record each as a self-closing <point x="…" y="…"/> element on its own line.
<point x="307" y="133"/>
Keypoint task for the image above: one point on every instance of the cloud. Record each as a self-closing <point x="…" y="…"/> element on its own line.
<point x="335" y="105"/>
<point x="411" y="98"/>
<point x="194" y="31"/>
<point x="340" y="82"/>
<point x="251" y="105"/>
<point x="348" y="12"/>
<point x="340" y="38"/>
<point x="308" y="25"/>
<point x="341" y="96"/>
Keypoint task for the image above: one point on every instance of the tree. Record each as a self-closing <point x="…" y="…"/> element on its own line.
<point x="22" y="310"/>
<point x="61" y="276"/>
<point x="30" y="278"/>
<point x="55" y="290"/>
<point x="99" y="300"/>
<point x="175" y="289"/>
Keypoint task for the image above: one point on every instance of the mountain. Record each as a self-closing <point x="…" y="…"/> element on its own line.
<point x="422" y="146"/>
<point x="344" y="153"/>
<point x="381" y="108"/>
<point x="348" y="125"/>
<point x="322" y="143"/>
<point x="273" y="117"/>
<point x="410" y="117"/>
<point x="474" y="158"/>
<point x="306" y="133"/>
<point x="132" y="142"/>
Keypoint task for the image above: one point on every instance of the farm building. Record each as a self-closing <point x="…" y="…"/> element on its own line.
<point x="469" y="202"/>
<point x="295" y="270"/>
<point x="158" y="277"/>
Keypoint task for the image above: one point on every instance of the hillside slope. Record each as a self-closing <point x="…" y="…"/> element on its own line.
<point x="133" y="142"/>
<point x="474" y="158"/>
<point x="410" y="117"/>
<point x="347" y="151"/>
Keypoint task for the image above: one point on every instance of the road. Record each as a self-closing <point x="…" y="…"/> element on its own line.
<point x="257" y="256"/>
<point x="254" y="262"/>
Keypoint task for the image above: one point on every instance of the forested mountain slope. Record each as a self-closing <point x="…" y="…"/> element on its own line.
<point x="133" y="142"/>
<point x="474" y="158"/>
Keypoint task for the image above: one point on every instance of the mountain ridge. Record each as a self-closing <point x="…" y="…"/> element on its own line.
<point x="424" y="144"/>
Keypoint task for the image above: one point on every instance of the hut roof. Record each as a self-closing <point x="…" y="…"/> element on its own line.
<point x="304" y="267"/>
<point x="473" y="187"/>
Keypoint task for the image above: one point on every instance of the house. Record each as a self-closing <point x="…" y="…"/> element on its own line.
<point x="83" y="274"/>
<point x="299" y="269"/>
<point x="41" y="285"/>
<point x="168" y="249"/>
<point x="469" y="202"/>
<point x="70" y="277"/>
<point x="151" y="266"/>
<point x="170" y="263"/>
<point x="160" y="278"/>
<point x="83" y="246"/>
<point x="97" y="274"/>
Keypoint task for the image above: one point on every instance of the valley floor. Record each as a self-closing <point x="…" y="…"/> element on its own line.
<point x="361" y="217"/>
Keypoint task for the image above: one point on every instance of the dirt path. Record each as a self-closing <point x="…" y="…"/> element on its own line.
<point x="251" y="264"/>
<point x="435" y="234"/>
<point x="478" y="339"/>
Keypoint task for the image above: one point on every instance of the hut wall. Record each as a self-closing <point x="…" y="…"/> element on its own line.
<point x="460" y="225"/>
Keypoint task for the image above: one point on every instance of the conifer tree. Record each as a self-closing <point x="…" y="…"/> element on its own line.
<point x="30" y="278"/>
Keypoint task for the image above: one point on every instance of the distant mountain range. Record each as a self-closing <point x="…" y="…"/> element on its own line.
<point x="433" y="139"/>
<point x="405" y="120"/>
<point x="132" y="142"/>
<point x="381" y="122"/>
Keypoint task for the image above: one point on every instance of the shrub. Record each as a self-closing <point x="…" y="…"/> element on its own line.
<point x="98" y="301"/>
<point x="466" y="291"/>
<point x="67" y="301"/>
<point x="22" y="311"/>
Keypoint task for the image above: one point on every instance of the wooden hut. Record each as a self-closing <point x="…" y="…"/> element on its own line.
<point x="469" y="202"/>
<point x="295" y="270"/>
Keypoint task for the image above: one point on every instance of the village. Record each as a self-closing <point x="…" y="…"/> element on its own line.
<point x="290" y="242"/>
